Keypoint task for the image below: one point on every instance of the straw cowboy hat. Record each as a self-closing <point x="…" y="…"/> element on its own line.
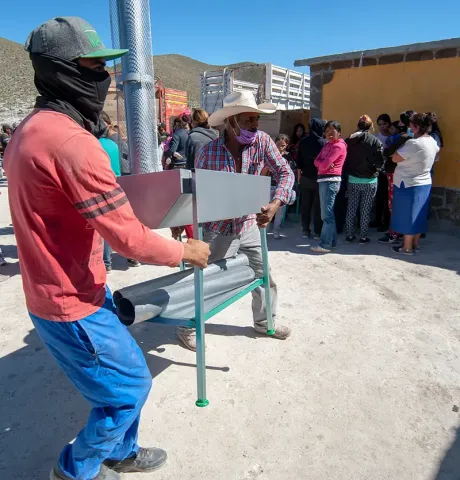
<point x="239" y="102"/>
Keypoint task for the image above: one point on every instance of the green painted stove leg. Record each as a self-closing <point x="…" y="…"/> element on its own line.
<point x="200" y="342"/>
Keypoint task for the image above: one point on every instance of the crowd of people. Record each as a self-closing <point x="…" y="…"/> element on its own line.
<point x="342" y="181"/>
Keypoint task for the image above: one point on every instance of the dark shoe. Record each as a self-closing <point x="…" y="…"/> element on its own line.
<point x="104" y="474"/>
<point x="403" y="251"/>
<point x="389" y="240"/>
<point x="108" y="268"/>
<point x="146" y="460"/>
<point x="3" y="262"/>
<point x="133" y="263"/>
<point x="350" y="239"/>
<point x="364" y="240"/>
<point x="306" y="235"/>
<point x="281" y="332"/>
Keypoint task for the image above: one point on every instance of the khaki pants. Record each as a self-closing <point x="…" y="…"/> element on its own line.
<point x="226" y="246"/>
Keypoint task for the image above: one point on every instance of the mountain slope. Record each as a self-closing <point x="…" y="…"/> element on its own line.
<point x="17" y="90"/>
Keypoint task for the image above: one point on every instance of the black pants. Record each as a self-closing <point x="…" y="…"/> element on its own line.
<point x="360" y="198"/>
<point x="382" y="212"/>
<point x="340" y="207"/>
<point x="309" y="195"/>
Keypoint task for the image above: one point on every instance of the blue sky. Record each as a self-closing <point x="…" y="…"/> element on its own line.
<point x="217" y="32"/>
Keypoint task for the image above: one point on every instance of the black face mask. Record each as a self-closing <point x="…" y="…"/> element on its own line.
<point x="68" y="88"/>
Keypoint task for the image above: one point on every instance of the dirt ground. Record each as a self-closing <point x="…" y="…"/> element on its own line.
<point x="365" y="389"/>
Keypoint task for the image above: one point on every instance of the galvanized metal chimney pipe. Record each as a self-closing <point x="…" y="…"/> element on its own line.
<point x="132" y="20"/>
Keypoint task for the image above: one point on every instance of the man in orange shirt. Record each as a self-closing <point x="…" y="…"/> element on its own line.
<point x="64" y="200"/>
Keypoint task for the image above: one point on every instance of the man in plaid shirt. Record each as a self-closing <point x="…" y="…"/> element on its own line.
<point x="244" y="149"/>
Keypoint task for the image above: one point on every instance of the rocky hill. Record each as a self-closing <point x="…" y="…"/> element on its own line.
<point x="17" y="90"/>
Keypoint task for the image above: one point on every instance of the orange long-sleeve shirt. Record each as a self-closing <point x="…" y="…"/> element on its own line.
<point x="64" y="199"/>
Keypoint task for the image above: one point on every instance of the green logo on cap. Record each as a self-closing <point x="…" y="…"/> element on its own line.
<point x="93" y="38"/>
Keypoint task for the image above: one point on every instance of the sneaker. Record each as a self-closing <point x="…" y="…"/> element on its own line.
<point x="108" y="269"/>
<point x="317" y="236"/>
<point x="306" y="235"/>
<point x="276" y="236"/>
<point x="3" y="262"/>
<point x="133" y="263"/>
<point x="389" y="240"/>
<point x="104" y="474"/>
<point x="319" y="249"/>
<point x="281" y="332"/>
<point x="364" y="240"/>
<point x="187" y="338"/>
<point x="403" y="251"/>
<point x="145" y="460"/>
<point x="350" y="239"/>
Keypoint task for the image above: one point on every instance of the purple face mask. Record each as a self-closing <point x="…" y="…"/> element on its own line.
<point x="246" y="137"/>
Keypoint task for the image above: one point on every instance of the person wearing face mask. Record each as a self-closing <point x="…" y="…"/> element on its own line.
<point x="412" y="183"/>
<point x="69" y="203"/>
<point x="244" y="149"/>
<point x="330" y="165"/>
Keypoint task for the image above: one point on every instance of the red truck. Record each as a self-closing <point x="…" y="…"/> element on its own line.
<point x="170" y="104"/>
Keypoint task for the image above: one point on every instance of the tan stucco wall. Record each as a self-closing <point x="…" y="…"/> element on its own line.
<point x="432" y="85"/>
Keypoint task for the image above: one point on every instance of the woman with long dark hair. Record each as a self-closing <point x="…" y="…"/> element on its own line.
<point x="412" y="183"/>
<point x="176" y="154"/>
<point x="296" y="137"/>
<point x="436" y="132"/>
<point x="330" y="164"/>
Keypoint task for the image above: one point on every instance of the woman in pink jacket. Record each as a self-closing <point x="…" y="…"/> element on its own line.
<point x="330" y="163"/>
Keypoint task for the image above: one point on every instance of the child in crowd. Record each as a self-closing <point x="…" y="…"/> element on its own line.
<point x="282" y="142"/>
<point x="398" y="137"/>
<point x="395" y="133"/>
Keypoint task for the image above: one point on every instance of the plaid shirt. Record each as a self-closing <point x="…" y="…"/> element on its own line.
<point x="263" y="152"/>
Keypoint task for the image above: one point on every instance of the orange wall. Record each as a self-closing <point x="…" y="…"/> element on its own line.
<point x="432" y="85"/>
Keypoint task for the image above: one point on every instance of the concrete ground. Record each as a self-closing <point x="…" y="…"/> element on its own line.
<point x="365" y="389"/>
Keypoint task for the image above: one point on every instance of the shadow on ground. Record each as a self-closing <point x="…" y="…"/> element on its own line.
<point x="41" y="411"/>
<point x="7" y="230"/>
<point x="437" y="250"/>
<point x="449" y="468"/>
